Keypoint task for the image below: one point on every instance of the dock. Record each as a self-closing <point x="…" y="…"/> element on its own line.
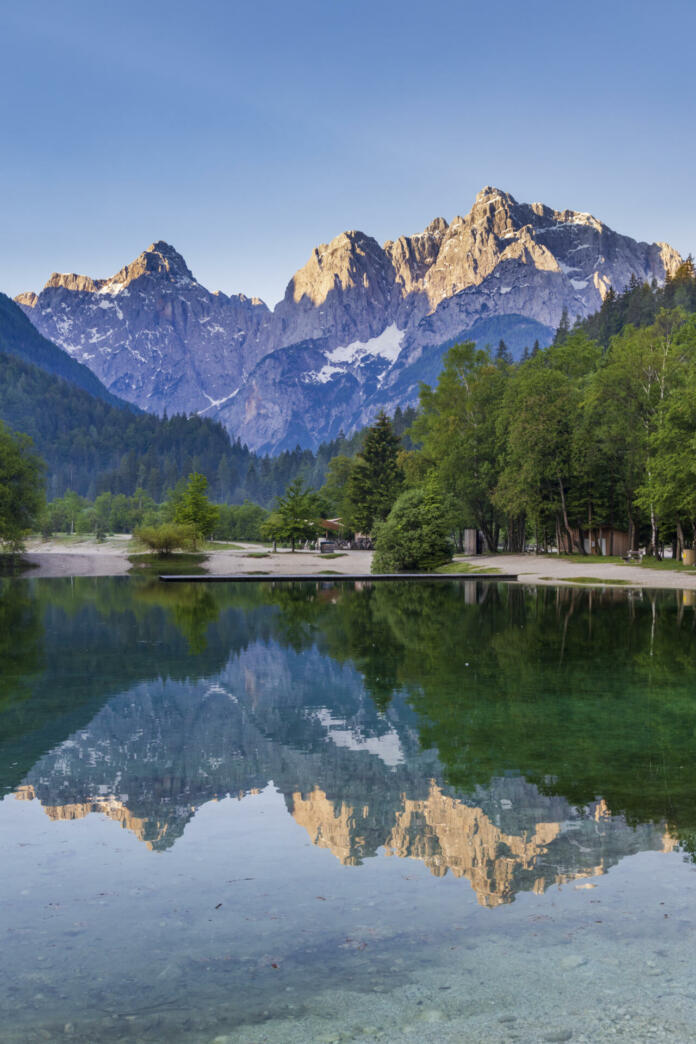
<point x="264" y="578"/>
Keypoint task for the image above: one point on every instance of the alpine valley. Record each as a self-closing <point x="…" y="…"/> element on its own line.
<point x="360" y="325"/>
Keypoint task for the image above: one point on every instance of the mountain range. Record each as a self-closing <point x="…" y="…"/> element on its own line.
<point x="359" y="327"/>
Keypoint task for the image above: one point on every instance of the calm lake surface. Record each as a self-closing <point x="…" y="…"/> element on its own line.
<point x="427" y="812"/>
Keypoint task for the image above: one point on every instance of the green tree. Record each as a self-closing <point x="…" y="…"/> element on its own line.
<point x="296" y="516"/>
<point x="460" y="442"/>
<point x="21" y="488"/>
<point x="336" y="488"/>
<point x="376" y="479"/>
<point x="415" y="535"/>
<point x="240" y="521"/>
<point x="536" y="427"/>
<point x="193" y="508"/>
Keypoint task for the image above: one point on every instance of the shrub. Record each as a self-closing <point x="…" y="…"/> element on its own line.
<point x="414" y="537"/>
<point x="166" y="538"/>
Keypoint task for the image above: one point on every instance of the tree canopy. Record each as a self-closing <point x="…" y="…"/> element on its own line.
<point x="296" y="516"/>
<point x="21" y="488"/>
<point x="414" y="537"/>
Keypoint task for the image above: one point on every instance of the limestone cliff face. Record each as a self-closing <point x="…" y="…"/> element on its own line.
<point x="365" y="315"/>
<point x="344" y="291"/>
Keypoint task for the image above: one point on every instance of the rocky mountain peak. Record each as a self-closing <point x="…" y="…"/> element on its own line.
<point x="343" y="263"/>
<point x="345" y="290"/>
<point x="160" y="259"/>
<point x="437" y="227"/>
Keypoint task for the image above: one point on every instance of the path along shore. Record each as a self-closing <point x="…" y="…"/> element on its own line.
<point x="86" y="557"/>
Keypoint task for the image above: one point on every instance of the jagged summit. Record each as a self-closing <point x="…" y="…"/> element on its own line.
<point x="160" y="259"/>
<point x="491" y="194"/>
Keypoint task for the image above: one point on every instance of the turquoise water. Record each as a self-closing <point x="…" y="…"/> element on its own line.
<point x="451" y="812"/>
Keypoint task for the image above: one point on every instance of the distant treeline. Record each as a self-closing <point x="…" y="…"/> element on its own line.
<point x="118" y="513"/>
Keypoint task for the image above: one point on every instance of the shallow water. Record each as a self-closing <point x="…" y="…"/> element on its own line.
<point x="452" y="812"/>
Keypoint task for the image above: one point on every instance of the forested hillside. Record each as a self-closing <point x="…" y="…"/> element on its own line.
<point x="92" y="446"/>
<point x="599" y="429"/>
<point x="20" y="338"/>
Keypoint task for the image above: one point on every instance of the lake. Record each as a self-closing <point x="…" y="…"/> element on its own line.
<point x="283" y="813"/>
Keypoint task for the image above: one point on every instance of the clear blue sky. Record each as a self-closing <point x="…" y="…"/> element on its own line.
<point x="247" y="133"/>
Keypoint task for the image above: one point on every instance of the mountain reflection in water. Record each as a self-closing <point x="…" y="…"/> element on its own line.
<point x="518" y="738"/>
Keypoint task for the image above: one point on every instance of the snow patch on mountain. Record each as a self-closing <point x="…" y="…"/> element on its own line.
<point x="387" y="344"/>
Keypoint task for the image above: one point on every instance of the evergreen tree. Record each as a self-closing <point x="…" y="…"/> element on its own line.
<point x="194" y="509"/>
<point x="563" y="328"/>
<point x="376" y="479"/>
<point x="296" y="516"/>
<point x="502" y="353"/>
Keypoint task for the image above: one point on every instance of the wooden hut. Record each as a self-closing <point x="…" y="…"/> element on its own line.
<point x="603" y="540"/>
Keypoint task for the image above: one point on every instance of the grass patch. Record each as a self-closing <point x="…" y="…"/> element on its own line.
<point x="222" y="545"/>
<point x="334" y="554"/>
<point x="259" y="572"/>
<point x="592" y="559"/>
<point x="670" y="564"/>
<point x="588" y="580"/>
<point x="465" y="567"/>
<point x="258" y="554"/>
<point x="150" y="564"/>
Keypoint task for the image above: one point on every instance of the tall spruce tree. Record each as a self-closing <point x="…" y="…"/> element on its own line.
<point x="376" y="479"/>
<point x="194" y="509"/>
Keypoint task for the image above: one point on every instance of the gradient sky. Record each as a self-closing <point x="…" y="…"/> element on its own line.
<point x="247" y="133"/>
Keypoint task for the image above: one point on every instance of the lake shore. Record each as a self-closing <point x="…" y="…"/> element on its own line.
<point x="83" y="556"/>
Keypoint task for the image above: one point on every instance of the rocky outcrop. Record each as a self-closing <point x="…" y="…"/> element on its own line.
<point x="357" y="320"/>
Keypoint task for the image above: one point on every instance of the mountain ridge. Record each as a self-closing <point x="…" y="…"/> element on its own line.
<point x="366" y="313"/>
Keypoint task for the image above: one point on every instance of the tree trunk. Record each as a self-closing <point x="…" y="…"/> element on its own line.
<point x="653" y="548"/>
<point x="566" y="524"/>
<point x="631" y="534"/>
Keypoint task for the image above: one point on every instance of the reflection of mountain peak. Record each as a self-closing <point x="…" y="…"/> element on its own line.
<point x="447" y="834"/>
<point x="111" y="807"/>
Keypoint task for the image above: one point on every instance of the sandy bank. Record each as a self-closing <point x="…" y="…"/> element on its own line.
<point x="533" y="569"/>
<point x="75" y="556"/>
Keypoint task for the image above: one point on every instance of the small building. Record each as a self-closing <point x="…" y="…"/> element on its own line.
<point x="332" y="527"/>
<point x="603" y="540"/>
